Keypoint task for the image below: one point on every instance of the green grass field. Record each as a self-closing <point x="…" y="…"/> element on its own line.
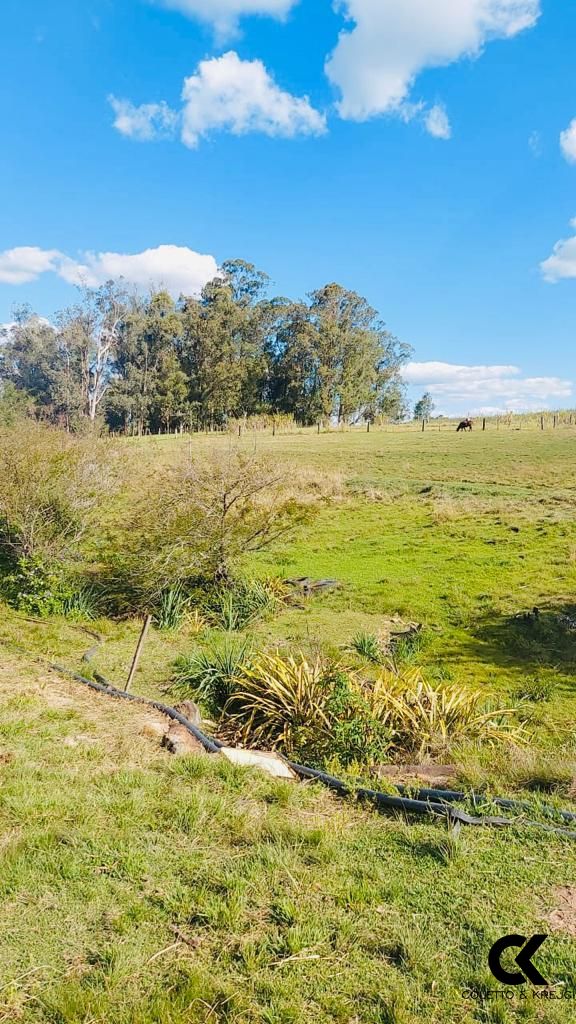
<point x="461" y="533"/>
<point x="137" y="888"/>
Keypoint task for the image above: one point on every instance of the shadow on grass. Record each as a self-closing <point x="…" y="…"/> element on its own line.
<point x="543" y="637"/>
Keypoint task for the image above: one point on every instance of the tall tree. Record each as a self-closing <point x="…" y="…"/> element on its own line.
<point x="335" y="359"/>
<point x="32" y="360"/>
<point x="90" y="332"/>
<point x="150" y="335"/>
<point x="293" y="360"/>
<point x="223" y="343"/>
<point x="170" y="402"/>
<point x="424" y="407"/>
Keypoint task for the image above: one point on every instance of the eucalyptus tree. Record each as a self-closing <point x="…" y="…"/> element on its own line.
<point x="334" y="358"/>
<point x="223" y="343"/>
<point x="424" y="407"/>
<point x="148" y="344"/>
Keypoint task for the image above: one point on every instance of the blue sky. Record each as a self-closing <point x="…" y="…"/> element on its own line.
<point x="422" y="154"/>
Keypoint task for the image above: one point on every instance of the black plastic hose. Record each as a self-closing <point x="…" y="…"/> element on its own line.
<point x="422" y="805"/>
<point x="429" y="802"/>
<point x="102" y="685"/>
<point x="453" y="796"/>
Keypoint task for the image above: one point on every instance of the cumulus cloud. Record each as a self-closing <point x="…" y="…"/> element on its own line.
<point x="492" y="388"/>
<point x="146" y="122"/>
<point x="225" y="94"/>
<point x="224" y="15"/>
<point x="177" y="268"/>
<point x="562" y="262"/>
<point x="568" y="142"/>
<point x="376" y="62"/>
<point x="240" y="96"/>
<point x="25" y="263"/>
<point x="437" y="122"/>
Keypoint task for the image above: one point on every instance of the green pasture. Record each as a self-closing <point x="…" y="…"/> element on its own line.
<point x="136" y="888"/>
<point x="463" y="533"/>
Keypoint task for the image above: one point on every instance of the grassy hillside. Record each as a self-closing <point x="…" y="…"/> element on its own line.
<point x="137" y="888"/>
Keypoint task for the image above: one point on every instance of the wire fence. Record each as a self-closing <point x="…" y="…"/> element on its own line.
<point x="284" y="425"/>
<point x="541" y="421"/>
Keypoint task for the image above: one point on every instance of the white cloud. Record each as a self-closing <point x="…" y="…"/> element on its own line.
<point x="177" y="268"/>
<point x="225" y="14"/>
<point x="562" y="262"/>
<point x="438" y="123"/>
<point x="146" y="122"/>
<point x="376" y="62"/>
<point x="240" y="96"/>
<point x="225" y="94"/>
<point x="25" y="263"/>
<point x="568" y="142"/>
<point x="492" y="388"/>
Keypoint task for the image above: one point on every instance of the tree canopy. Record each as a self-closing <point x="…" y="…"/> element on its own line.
<point x="140" y="364"/>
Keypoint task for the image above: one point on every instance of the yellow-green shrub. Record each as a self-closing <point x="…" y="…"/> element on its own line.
<point x="426" y="719"/>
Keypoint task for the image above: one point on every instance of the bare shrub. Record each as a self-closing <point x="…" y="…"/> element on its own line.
<point x="195" y="522"/>
<point x="51" y="485"/>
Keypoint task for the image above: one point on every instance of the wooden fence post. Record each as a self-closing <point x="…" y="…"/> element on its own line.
<point x="484" y="424"/>
<point x="138" y="652"/>
<point x="554" y="419"/>
<point x="423" y="425"/>
<point x="541" y="423"/>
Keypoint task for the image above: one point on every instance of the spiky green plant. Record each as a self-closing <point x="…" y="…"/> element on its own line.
<point x="281" y="700"/>
<point x="172" y="608"/>
<point x="426" y="719"/>
<point x="368" y="646"/>
<point x="211" y="674"/>
<point x="82" y="604"/>
<point x="235" y="605"/>
<point x="406" y="647"/>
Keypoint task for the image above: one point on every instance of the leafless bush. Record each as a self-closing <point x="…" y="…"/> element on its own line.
<point x="197" y="521"/>
<point x="51" y="486"/>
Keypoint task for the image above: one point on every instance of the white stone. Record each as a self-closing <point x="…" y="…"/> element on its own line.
<point x="264" y="760"/>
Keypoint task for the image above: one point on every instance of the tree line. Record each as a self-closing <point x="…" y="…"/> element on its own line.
<point x="149" y="363"/>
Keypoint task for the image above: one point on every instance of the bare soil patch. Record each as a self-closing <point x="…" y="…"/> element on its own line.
<point x="562" y="918"/>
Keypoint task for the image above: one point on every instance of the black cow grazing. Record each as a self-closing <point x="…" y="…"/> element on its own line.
<point x="464" y="425"/>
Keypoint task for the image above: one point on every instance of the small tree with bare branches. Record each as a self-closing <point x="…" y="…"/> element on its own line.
<point x="194" y="523"/>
